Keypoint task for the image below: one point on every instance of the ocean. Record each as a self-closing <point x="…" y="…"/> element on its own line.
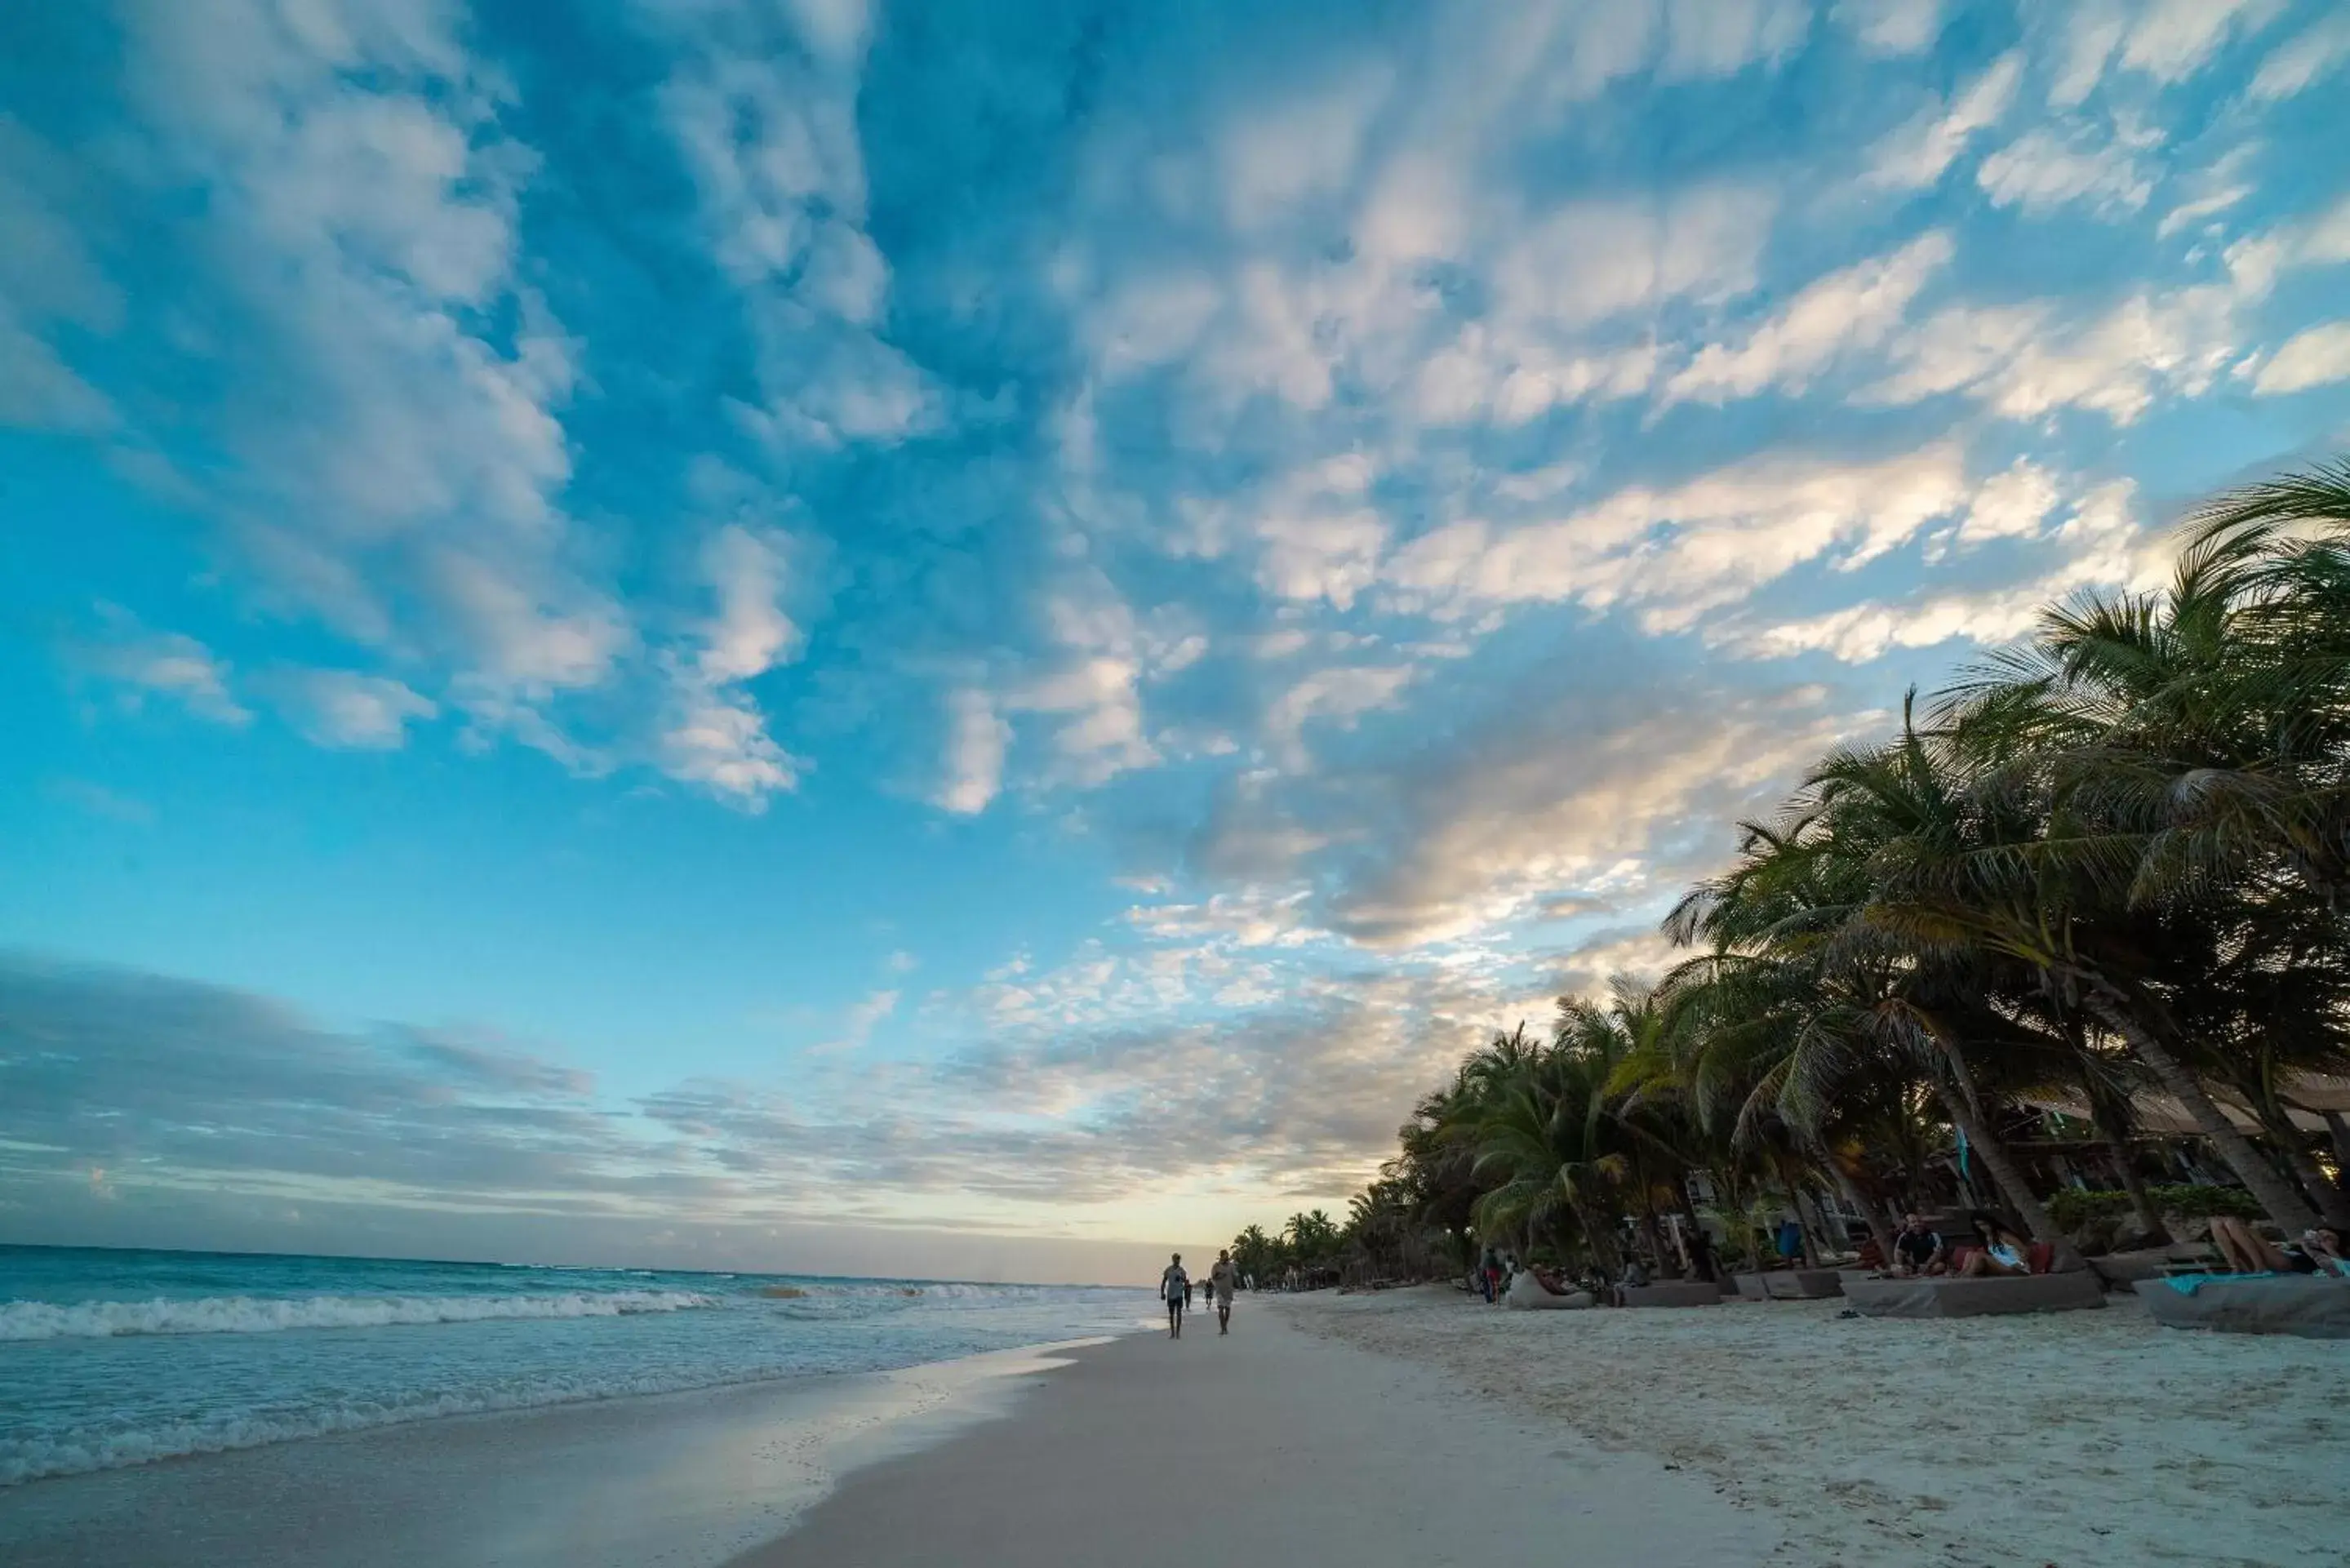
<point x="110" y="1359"/>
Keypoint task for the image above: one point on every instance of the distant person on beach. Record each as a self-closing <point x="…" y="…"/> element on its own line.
<point x="1175" y="1289"/>
<point x="1489" y="1272"/>
<point x="1919" y="1250"/>
<point x="1220" y="1280"/>
<point x="1700" y="1254"/>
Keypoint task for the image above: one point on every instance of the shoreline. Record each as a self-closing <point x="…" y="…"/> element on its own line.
<point x="689" y="1478"/>
<point x="1276" y="1444"/>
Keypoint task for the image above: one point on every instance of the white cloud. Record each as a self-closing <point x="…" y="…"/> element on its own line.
<point x="2102" y="546"/>
<point x="1092" y="683"/>
<point x="1680" y="550"/>
<point x="1916" y="156"/>
<point x="976" y="742"/>
<point x="2010" y="505"/>
<point x="2303" y="59"/>
<point x="39" y="391"/>
<point x="1855" y="308"/>
<point x="1722" y="37"/>
<point x="2211" y="190"/>
<point x="47" y="277"/>
<point x="1302" y="146"/>
<point x="142" y="664"/>
<point x="2166" y="40"/>
<point x="859" y="1022"/>
<point x="1893" y="27"/>
<point x="718" y="739"/>
<point x="747" y="569"/>
<point x="2045" y="169"/>
<point x="1314" y="531"/>
<point x="714" y="734"/>
<point x="2311" y="359"/>
<point x="2025" y="361"/>
<point x="1339" y="696"/>
<point x="386" y="463"/>
<point x="342" y="708"/>
<point x="1593" y="793"/>
<point x="1591" y="261"/>
<point x="766" y="120"/>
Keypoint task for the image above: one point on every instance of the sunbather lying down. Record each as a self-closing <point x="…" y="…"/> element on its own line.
<point x="2321" y="1250"/>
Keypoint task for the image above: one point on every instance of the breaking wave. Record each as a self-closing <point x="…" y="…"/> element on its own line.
<point x="273" y="1314"/>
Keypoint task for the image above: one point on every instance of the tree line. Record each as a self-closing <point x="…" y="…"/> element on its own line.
<point x="2108" y="868"/>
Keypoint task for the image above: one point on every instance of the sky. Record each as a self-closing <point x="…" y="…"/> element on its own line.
<point x="973" y="639"/>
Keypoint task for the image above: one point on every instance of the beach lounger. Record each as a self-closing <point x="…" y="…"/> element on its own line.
<point x="2121" y="1269"/>
<point x="1991" y="1296"/>
<point x="1674" y="1293"/>
<point x="1526" y="1294"/>
<point x="2309" y="1305"/>
<point x="1803" y="1284"/>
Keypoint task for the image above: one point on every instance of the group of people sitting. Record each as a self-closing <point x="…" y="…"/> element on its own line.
<point x="1920" y="1253"/>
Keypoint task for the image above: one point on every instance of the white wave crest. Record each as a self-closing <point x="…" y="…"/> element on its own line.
<point x="272" y="1315"/>
<point x="37" y="1458"/>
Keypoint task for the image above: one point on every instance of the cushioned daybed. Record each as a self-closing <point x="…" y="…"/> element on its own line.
<point x="1985" y="1297"/>
<point x="1803" y="1284"/>
<point x="1526" y="1294"/>
<point x="2309" y="1305"/>
<point x="2119" y="1269"/>
<point x="1674" y="1293"/>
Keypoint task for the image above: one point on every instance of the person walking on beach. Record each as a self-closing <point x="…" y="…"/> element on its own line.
<point x="1219" y="1286"/>
<point x="1174" y="1285"/>
<point x="1489" y="1272"/>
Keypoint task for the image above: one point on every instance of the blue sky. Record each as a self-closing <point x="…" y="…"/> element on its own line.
<point x="713" y="630"/>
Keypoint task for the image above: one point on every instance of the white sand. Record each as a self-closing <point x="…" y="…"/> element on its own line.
<point x="1274" y="1446"/>
<point x="2082" y="1437"/>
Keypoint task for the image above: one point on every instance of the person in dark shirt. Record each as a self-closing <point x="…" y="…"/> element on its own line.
<point x="1919" y="1250"/>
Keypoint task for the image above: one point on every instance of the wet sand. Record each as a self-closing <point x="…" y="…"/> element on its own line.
<point x="1273" y="1445"/>
<point x="683" y="1480"/>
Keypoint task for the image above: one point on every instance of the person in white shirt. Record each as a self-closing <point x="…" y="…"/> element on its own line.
<point x="1220" y="1280"/>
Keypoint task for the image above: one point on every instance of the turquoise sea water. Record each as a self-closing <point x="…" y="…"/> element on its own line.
<point x="111" y="1358"/>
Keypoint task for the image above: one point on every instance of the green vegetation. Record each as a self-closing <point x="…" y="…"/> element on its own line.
<point x="2111" y="864"/>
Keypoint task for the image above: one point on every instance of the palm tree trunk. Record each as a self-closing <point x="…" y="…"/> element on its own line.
<point x="2260" y="1177"/>
<point x="1708" y="1266"/>
<point x="2109" y="1128"/>
<point x="2005" y="1173"/>
<point x="1966" y="1110"/>
<point x="2333" y="1206"/>
<point x="1850" y="1193"/>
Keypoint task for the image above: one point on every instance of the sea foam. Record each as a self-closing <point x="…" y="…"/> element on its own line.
<point x="40" y="1456"/>
<point x="272" y="1315"/>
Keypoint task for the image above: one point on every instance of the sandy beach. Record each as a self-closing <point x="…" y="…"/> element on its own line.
<point x="1273" y="1445"/>
<point x="2076" y="1439"/>
<point x="1409" y="1427"/>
